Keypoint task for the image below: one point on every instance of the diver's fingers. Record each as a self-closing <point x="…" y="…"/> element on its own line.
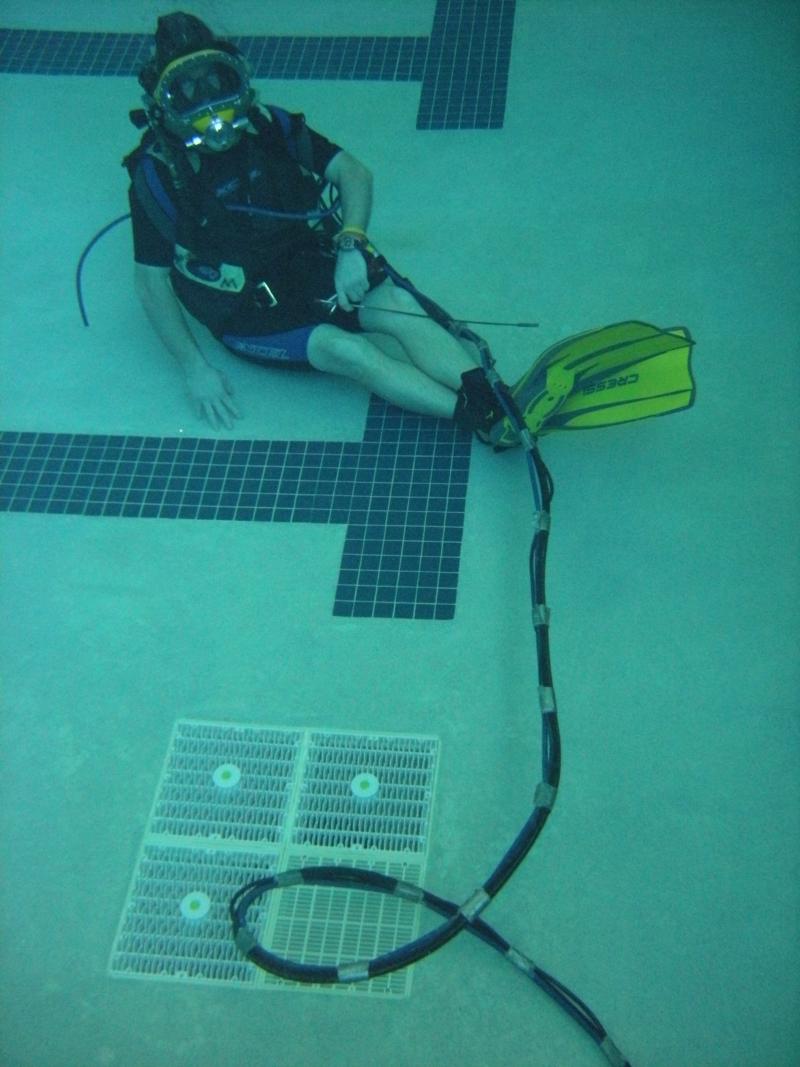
<point x="209" y="413"/>
<point x="227" y="404"/>
<point x="222" y="414"/>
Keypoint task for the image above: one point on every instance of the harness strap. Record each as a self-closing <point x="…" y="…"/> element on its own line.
<point x="154" y="198"/>
<point x="294" y="129"/>
<point x="159" y="202"/>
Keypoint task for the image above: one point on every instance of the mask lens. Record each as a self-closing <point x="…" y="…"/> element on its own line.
<point x="201" y="84"/>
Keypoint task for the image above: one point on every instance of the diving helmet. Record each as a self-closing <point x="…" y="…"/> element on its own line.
<point x="203" y="98"/>
<point x="197" y="85"/>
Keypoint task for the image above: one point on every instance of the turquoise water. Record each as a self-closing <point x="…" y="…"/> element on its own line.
<point x="646" y="167"/>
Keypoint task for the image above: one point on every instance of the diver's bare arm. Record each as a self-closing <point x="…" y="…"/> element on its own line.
<point x="164" y="312"/>
<point x="354" y="183"/>
<point x="209" y="390"/>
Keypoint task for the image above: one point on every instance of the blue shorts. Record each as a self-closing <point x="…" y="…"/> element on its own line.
<point x="287" y="349"/>
<point x="298" y="317"/>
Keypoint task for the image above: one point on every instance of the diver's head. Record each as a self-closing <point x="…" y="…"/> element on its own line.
<point x="197" y="86"/>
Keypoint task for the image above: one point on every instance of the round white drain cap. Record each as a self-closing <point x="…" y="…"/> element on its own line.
<point x="364" y="786"/>
<point x="195" y="906"/>
<point x="227" y="776"/>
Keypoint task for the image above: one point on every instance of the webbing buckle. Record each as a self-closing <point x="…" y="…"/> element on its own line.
<point x="264" y="296"/>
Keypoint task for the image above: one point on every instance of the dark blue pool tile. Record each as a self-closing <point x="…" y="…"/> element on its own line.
<point x="60" y="52"/>
<point x="466" y="75"/>
<point x="463" y="64"/>
<point x="404" y="522"/>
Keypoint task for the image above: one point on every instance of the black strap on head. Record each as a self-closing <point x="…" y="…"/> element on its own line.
<point x="179" y="34"/>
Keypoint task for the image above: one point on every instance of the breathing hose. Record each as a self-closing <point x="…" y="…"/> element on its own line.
<point x="464" y="916"/>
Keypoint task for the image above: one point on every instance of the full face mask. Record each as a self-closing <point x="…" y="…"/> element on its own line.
<point x="204" y="98"/>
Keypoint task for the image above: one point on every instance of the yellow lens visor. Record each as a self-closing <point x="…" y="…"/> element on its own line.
<point x="202" y="124"/>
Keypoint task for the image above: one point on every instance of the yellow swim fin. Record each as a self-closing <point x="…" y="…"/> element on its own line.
<point x="616" y="374"/>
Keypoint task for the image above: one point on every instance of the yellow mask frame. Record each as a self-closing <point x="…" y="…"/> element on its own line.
<point x="215" y="121"/>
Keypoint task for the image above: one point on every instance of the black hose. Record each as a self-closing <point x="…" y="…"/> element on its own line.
<point x="82" y="260"/>
<point x="466" y="915"/>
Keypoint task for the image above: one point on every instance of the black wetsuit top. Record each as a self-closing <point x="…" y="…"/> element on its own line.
<point x="261" y="171"/>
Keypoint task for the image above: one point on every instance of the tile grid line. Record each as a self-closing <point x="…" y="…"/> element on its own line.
<point x="176" y="485"/>
<point x="454" y="94"/>
<point x="397" y="527"/>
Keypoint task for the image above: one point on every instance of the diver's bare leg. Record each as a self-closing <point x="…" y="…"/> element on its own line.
<point x="430" y="347"/>
<point x="354" y="356"/>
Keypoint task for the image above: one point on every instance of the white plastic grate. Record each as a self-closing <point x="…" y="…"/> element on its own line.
<point x="190" y="801"/>
<point x="156" y="938"/>
<point x="238" y="802"/>
<point x="322" y="925"/>
<point x="331" y="812"/>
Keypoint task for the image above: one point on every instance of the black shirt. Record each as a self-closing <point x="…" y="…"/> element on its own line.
<point x="220" y="171"/>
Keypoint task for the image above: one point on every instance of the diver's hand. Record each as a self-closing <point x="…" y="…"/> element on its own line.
<point x="350" y="278"/>
<point x="211" y="395"/>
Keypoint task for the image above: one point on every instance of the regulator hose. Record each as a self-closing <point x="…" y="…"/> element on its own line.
<point x="466" y="915"/>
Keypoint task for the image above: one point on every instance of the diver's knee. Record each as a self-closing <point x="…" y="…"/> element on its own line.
<point x="385" y="308"/>
<point x="336" y="351"/>
<point x="399" y="298"/>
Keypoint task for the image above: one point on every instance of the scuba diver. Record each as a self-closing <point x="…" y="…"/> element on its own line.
<point x="230" y="224"/>
<point x="224" y="203"/>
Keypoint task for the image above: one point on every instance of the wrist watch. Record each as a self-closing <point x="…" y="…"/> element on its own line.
<point x="349" y="242"/>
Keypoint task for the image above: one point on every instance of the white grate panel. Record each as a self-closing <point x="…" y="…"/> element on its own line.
<point x="239" y="802"/>
<point x="318" y="924"/>
<point x="193" y="800"/>
<point x="333" y="812"/>
<point x="159" y="938"/>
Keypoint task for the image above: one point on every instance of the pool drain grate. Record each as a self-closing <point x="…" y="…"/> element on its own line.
<point x="238" y="802"/>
